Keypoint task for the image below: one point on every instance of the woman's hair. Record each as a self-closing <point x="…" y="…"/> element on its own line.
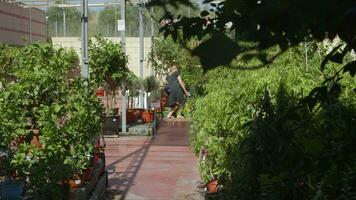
<point x="173" y="68"/>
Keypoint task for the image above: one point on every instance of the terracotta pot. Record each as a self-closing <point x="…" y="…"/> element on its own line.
<point x="75" y="182"/>
<point x="212" y="186"/>
<point x="36" y="138"/>
<point x="147" y="116"/>
<point x="164" y="100"/>
<point x="100" y="92"/>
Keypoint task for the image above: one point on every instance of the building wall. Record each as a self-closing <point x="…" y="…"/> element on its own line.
<point x="15" y="24"/>
<point x="132" y="50"/>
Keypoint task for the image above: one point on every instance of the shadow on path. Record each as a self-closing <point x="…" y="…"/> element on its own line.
<point x="159" y="168"/>
<point x="124" y="179"/>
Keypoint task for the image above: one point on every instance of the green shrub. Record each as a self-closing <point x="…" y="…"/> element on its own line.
<point x="108" y="63"/>
<point x="66" y="114"/>
<point x="267" y="138"/>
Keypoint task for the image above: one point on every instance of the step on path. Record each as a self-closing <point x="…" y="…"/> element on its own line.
<point x="160" y="168"/>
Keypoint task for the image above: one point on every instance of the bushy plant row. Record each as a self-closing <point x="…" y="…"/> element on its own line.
<point x="265" y="135"/>
<point x="39" y="97"/>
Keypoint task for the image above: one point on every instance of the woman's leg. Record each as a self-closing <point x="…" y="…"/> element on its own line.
<point x="174" y="108"/>
<point x="179" y="113"/>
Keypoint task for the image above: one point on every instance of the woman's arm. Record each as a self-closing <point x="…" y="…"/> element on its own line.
<point x="181" y="83"/>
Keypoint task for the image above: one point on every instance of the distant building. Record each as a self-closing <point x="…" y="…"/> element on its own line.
<point x="20" y="26"/>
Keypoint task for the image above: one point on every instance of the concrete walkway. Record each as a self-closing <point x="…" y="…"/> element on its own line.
<point x="160" y="168"/>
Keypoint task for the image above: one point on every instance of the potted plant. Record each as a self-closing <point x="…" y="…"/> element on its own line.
<point x="150" y="85"/>
<point x="212" y="186"/>
<point x="65" y="117"/>
<point x="108" y="64"/>
<point x="147" y="116"/>
<point x="133" y="86"/>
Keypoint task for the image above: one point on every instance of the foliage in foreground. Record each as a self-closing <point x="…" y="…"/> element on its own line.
<point x="66" y="113"/>
<point x="266" y="137"/>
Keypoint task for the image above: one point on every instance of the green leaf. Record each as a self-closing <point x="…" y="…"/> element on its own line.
<point x="337" y="58"/>
<point x="351" y="68"/>
<point x="57" y="108"/>
<point x="204" y="13"/>
<point x="216" y="51"/>
<point x="328" y="57"/>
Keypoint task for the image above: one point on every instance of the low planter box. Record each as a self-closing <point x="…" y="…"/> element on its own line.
<point x="134" y="115"/>
<point x="130" y="117"/>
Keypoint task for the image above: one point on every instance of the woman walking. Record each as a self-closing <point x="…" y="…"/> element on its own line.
<point x="177" y="92"/>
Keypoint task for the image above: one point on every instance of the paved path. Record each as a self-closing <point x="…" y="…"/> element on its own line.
<point x="163" y="168"/>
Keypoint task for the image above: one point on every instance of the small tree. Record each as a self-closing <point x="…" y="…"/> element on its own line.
<point x="134" y="86"/>
<point x="108" y="64"/>
<point x="150" y="84"/>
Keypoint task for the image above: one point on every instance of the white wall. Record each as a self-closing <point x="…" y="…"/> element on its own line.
<point x="132" y="50"/>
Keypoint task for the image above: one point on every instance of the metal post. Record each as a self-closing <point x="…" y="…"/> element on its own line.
<point x="84" y="35"/>
<point x="64" y="20"/>
<point x="30" y="23"/>
<point x="152" y="27"/>
<point x="123" y="44"/>
<point x="47" y="23"/>
<point x="56" y="28"/>
<point x="64" y="23"/>
<point x="47" y="29"/>
<point x="152" y="33"/>
<point x="141" y="53"/>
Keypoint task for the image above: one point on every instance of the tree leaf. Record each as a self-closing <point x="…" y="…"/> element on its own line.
<point x="204" y="13"/>
<point x="351" y="68"/>
<point x="327" y="57"/>
<point x="337" y="58"/>
<point x="216" y="51"/>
